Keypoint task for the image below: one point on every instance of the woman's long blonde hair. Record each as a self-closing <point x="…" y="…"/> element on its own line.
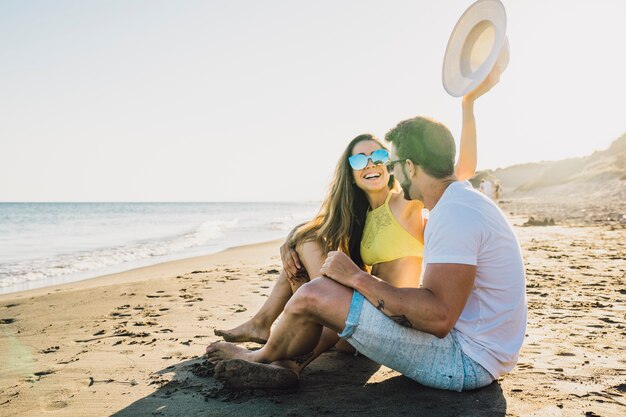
<point x="339" y="223"/>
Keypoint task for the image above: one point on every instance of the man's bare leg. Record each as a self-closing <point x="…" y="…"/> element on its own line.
<point x="257" y="329"/>
<point x="241" y="374"/>
<point x="296" y="337"/>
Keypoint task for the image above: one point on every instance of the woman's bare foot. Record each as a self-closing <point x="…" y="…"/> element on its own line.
<point x="241" y="374"/>
<point x="219" y="351"/>
<point x="247" y="332"/>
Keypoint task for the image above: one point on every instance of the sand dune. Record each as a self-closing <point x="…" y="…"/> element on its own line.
<point x="597" y="168"/>
<point x="576" y="191"/>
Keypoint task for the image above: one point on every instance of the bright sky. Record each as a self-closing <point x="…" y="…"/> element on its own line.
<point x="236" y="100"/>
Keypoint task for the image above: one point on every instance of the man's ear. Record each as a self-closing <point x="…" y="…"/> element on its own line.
<point x="411" y="168"/>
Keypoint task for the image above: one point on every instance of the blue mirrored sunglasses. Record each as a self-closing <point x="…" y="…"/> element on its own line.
<point x="359" y="161"/>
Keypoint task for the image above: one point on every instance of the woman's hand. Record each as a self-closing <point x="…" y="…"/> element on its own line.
<point x="290" y="259"/>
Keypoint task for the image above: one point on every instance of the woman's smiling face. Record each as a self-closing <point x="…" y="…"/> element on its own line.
<point x="373" y="177"/>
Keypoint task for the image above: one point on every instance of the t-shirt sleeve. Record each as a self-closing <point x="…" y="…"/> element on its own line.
<point x="453" y="236"/>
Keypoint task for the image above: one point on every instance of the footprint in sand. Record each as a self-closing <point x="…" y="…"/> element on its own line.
<point x="38" y="375"/>
<point x="158" y="294"/>
<point x="55" y="405"/>
<point x="145" y="323"/>
<point x="49" y="350"/>
<point x="609" y="320"/>
<point x="239" y="308"/>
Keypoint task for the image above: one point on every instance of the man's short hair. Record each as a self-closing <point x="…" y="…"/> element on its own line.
<point x="427" y="143"/>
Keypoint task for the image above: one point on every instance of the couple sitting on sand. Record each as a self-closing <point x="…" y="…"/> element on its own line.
<point x="461" y="329"/>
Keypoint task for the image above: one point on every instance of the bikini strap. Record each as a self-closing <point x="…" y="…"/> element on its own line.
<point x="388" y="197"/>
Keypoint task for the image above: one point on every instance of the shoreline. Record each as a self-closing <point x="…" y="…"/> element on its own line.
<point x="43" y="246"/>
<point x="128" y="344"/>
<point x="160" y="268"/>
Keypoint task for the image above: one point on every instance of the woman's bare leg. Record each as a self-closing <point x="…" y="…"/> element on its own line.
<point x="257" y="329"/>
<point x="345" y="347"/>
<point x="321" y="303"/>
<point x="308" y="328"/>
<point x="328" y="339"/>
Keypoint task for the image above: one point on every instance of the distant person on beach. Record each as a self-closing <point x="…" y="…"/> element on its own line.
<point x="486" y="188"/>
<point x="380" y="230"/>
<point x="460" y="330"/>
<point x="496" y="190"/>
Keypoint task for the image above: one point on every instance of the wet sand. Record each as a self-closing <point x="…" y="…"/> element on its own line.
<point x="129" y="344"/>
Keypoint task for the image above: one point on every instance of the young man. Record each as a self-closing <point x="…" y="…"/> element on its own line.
<point x="462" y="329"/>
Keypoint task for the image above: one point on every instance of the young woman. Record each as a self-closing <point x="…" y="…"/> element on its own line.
<point x="363" y="217"/>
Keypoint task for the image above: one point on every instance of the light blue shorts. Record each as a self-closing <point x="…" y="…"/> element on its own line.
<point x="434" y="362"/>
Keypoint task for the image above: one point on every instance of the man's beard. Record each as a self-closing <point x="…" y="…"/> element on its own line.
<point x="406" y="187"/>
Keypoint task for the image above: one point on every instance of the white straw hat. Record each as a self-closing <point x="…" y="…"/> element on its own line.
<point x="478" y="41"/>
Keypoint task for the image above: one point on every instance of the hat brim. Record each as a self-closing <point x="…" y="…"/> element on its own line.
<point x="460" y="74"/>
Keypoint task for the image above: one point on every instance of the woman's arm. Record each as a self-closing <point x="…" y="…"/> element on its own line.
<point x="465" y="167"/>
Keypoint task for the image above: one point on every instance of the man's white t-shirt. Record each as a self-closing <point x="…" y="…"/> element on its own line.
<point x="466" y="227"/>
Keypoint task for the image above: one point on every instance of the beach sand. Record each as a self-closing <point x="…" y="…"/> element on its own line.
<point x="127" y="344"/>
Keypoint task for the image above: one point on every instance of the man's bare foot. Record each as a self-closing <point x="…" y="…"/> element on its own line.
<point x="219" y="351"/>
<point x="247" y="332"/>
<point x="241" y="374"/>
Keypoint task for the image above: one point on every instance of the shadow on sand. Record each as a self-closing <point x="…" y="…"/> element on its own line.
<point x="335" y="384"/>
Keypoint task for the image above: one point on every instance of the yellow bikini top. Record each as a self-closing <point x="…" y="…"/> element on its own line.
<point x="385" y="240"/>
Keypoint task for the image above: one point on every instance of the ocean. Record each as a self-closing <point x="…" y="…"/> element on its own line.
<point x="43" y="244"/>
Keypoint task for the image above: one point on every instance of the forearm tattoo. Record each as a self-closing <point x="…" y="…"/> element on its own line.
<point x="402" y="321"/>
<point x="301" y="359"/>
